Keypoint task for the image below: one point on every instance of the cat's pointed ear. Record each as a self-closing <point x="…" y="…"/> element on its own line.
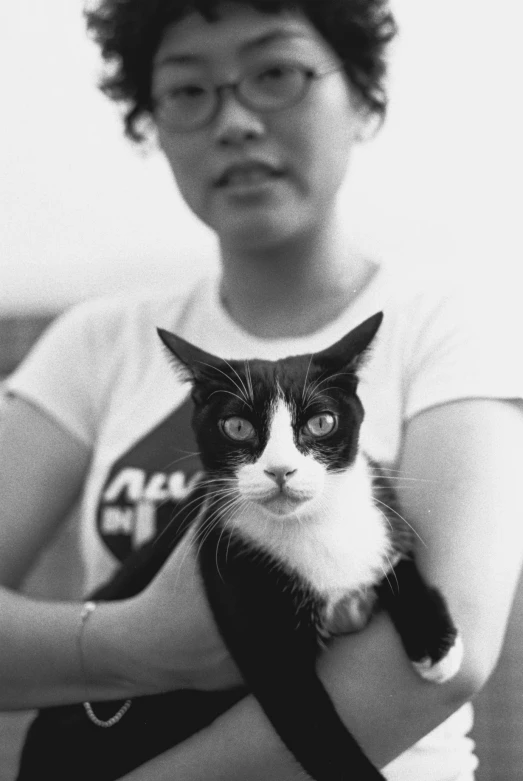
<point x="190" y="362"/>
<point x="351" y="349"/>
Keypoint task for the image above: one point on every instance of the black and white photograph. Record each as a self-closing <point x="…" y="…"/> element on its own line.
<point x="261" y="390"/>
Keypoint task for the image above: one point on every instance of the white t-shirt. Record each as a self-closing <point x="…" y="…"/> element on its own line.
<point x="102" y="372"/>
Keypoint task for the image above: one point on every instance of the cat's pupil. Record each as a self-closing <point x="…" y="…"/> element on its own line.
<point x="238" y="429"/>
<point x="321" y="425"/>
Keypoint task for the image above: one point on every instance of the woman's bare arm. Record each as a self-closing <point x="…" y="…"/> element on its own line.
<point x="464" y="501"/>
<point x="137" y="646"/>
<point x="42" y="468"/>
<point x="41" y="474"/>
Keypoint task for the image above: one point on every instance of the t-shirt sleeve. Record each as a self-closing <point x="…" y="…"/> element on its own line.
<point x="460" y="343"/>
<point x="66" y="373"/>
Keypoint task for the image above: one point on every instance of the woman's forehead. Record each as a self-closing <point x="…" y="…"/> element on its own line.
<point x="238" y="31"/>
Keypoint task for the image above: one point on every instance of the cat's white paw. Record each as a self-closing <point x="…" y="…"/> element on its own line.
<point x="349" y="614"/>
<point x="446" y="668"/>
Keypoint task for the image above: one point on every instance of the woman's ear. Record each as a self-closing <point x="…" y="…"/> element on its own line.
<point x="367" y="122"/>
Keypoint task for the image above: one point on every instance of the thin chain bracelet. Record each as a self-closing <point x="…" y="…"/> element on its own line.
<point x="87" y="609"/>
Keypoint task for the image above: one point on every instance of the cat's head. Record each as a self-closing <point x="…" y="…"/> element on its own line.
<point x="277" y="429"/>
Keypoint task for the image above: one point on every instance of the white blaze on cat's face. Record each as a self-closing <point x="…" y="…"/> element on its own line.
<point x="323" y="524"/>
<point x="283" y="478"/>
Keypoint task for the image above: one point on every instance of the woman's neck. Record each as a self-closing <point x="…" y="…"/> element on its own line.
<point x="293" y="289"/>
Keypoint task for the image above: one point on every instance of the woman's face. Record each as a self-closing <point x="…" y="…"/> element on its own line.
<point x="252" y="176"/>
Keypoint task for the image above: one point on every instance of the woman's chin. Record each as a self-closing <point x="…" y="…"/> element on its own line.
<point x="255" y="228"/>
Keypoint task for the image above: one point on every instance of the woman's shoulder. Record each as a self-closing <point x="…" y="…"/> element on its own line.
<point x="420" y="301"/>
<point x="411" y="287"/>
<point x="119" y="315"/>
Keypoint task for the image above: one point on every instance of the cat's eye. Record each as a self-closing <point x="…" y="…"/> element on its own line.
<point x="321" y="425"/>
<point x="239" y="429"/>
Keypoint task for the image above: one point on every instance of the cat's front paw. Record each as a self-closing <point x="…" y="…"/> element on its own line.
<point x="444" y="669"/>
<point x="349" y="614"/>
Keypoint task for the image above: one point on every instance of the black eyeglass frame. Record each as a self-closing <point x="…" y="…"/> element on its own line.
<point x="310" y="75"/>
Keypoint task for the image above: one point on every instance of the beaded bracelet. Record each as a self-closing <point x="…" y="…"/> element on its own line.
<point x="87" y="609"/>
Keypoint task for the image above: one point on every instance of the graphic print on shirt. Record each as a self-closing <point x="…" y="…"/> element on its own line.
<point x="150" y="485"/>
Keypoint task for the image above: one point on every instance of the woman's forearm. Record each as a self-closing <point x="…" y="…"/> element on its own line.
<point x="382" y="701"/>
<point x="40" y="661"/>
<point x="386" y="705"/>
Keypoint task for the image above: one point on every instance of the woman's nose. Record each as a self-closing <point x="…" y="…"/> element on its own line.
<point x="236" y="123"/>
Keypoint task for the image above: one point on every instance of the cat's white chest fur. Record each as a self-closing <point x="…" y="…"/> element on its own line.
<point x="324" y="525"/>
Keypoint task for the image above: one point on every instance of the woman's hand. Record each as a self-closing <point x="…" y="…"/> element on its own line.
<point x="168" y="636"/>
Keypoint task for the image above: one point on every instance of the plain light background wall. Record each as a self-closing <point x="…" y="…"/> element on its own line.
<point x="83" y="212"/>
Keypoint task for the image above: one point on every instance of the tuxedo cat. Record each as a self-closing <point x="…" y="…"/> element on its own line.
<point x="298" y="539"/>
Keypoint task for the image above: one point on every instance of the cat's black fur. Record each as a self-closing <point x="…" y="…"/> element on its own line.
<point x="272" y="620"/>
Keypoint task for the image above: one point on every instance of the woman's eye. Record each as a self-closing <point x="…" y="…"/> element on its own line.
<point x="182" y="94"/>
<point x="321" y="425"/>
<point x="186" y="91"/>
<point x="276" y="74"/>
<point x="239" y="429"/>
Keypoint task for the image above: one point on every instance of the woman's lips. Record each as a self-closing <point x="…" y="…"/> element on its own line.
<point x="247" y="174"/>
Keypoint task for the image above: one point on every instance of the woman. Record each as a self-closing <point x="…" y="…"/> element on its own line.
<point x="258" y="108"/>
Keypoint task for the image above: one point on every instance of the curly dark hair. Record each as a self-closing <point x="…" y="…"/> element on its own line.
<point x="129" y="33"/>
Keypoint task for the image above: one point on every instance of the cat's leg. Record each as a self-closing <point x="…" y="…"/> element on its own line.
<point x="349" y="614"/>
<point x="275" y="646"/>
<point x="423" y="621"/>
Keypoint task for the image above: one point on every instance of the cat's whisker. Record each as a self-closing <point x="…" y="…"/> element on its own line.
<point x="403" y="481"/>
<point x="214" y="517"/>
<point x="316" y="385"/>
<point x="386" y="519"/>
<point x="323" y="392"/>
<point x="216" y="553"/>
<point x="249" y="381"/>
<point x="219" y="517"/>
<point x="392" y="570"/>
<point x="231" y="393"/>
<point x="240" y="380"/>
<point x="386" y="575"/>
<point x="182" y="561"/>
<point x="222" y="504"/>
<point x="200" y="539"/>
<point x="339" y="374"/>
<point x="219" y="494"/>
<point x="214" y="500"/>
<point x="187" y="454"/>
<point x="181" y="499"/>
<point x="212" y="479"/>
<point x="304" y="389"/>
<point x="230" y="538"/>
<point x="215" y="483"/>
<point x="411" y="527"/>
<point x="398" y="476"/>
<point x="222" y="481"/>
<point x="241" y="388"/>
<point x="209" y="524"/>
<point x="227" y="526"/>
<point x="313" y="385"/>
<point x="382" y="468"/>
<point x="184" y="506"/>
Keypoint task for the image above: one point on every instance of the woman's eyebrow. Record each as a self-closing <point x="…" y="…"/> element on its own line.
<point x="188" y="58"/>
<point x="273" y="37"/>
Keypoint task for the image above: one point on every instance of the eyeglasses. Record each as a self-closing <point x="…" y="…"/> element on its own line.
<point x="193" y="103"/>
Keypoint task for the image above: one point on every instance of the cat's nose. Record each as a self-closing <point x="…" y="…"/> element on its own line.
<point x="280" y="474"/>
